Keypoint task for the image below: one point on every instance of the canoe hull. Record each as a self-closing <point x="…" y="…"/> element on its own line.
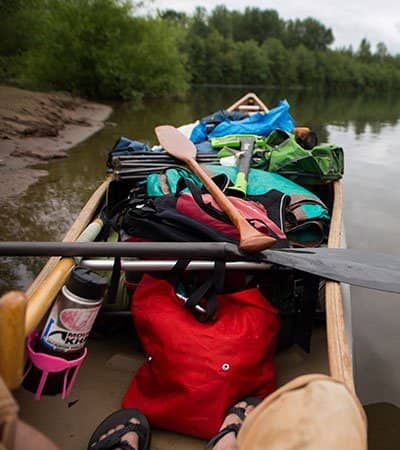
<point x="331" y="346"/>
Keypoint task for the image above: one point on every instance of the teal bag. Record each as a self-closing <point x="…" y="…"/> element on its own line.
<point x="282" y="154"/>
<point x="165" y="182"/>
<point x="309" y="217"/>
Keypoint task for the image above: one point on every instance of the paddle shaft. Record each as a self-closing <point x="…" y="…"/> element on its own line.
<point x="213" y="250"/>
<point x="358" y="267"/>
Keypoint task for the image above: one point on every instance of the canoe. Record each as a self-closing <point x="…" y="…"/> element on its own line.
<point x="108" y="368"/>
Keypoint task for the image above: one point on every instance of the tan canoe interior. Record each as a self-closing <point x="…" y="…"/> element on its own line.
<point x="111" y="362"/>
<point x="103" y="379"/>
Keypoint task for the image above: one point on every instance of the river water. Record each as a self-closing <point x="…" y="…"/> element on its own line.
<point x="368" y="129"/>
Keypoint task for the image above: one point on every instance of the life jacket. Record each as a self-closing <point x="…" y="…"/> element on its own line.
<point x="192" y="216"/>
<point x="298" y="212"/>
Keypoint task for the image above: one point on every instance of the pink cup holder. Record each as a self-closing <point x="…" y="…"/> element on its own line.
<point x="48" y="364"/>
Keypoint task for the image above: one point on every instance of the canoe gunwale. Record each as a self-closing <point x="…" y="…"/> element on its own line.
<point x="339" y="355"/>
<point x="55" y="273"/>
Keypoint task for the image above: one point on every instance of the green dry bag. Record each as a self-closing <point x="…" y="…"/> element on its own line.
<point x="283" y="155"/>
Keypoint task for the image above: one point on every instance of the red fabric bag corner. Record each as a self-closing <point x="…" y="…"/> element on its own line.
<point x="196" y="371"/>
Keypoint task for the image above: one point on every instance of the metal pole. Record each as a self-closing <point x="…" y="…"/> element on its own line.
<point x="162" y="266"/>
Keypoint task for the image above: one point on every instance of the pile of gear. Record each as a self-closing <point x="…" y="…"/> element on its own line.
<point x="210" y="337"/>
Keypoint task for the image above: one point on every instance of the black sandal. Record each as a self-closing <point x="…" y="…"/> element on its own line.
<point x="233" y="427"/>
<point x="113" y="441"/>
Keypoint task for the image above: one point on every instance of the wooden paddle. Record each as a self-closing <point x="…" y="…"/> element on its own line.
<point x="180" y="147"/>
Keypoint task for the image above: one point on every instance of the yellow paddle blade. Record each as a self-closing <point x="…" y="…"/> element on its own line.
<point x="175" y="143"/>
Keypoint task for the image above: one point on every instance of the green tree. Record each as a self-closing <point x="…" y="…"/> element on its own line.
<point x="381" y="52"/>
<point x="309" y="32"/>
<point x="176" y="17"/>
<point x="199" y="23"/>
<point x="98" y="48"/>
<point x="21" y="22"/>
<point x="364" y="50"/>
<point x="195" y="49"/>
<point x="252" y="65"/>
<point x="221" y="20"/>
<point x="304" y="62"/>
<point x="258" y="25"/>
<point x="280" y="68"/>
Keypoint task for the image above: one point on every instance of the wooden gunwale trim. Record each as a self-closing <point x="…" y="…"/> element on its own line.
<point x="56" y="270"/>
<point x="12" y="337"/>
<point x="340" y="365"/>
<point x="246" y="98"/>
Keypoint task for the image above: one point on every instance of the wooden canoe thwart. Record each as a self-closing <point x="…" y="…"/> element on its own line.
<point x="331" y="351"/>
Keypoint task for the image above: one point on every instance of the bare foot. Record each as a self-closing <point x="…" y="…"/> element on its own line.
<point x="228" y="442"/>
<point x="130" y="437"/>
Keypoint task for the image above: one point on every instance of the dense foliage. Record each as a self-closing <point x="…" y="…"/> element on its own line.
<point x="105" y="49"/>
<point x="258" y="47"/>
<point x="97" y="48"/>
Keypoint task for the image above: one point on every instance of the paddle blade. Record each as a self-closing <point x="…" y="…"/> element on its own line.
<point x="357" y="267"/>
<point x="175" y="143"/>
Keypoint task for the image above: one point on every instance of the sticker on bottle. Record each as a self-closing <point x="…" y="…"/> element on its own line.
<point x="78" y="320"/>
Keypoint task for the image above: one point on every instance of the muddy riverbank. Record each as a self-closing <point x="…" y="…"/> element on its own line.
<point x="37" y="127"/>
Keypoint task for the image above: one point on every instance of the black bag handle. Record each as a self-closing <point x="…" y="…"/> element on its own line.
<point x="202" y="302"/>
<point x="197" y="197"/>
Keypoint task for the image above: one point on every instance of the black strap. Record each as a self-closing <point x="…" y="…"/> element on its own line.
<point x="206" y="294"/>
<point x="220" y="215"/>
<point x="233" y="427"/>
<point x="197" y="197"/>
<point x="238" y="411"/>
<point x="114" y="281"/>
<point x="112" y="215"/>
<point x="306" y="315"/>
<point x="202" y="302"/>
<point x="113" y="441"/>
<point x="221" y="180"/>
<point x="177" y="271"/>
<point x="158" y="221"/>
<point x="125" y="445"/>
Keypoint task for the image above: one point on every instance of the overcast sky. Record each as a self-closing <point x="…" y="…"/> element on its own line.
<point x="350" y="21"/>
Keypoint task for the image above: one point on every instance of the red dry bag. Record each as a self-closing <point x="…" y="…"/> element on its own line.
<point x="195" y="371"/>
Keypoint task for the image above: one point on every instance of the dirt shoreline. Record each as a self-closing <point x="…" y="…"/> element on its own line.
<point x="36" y="127"/>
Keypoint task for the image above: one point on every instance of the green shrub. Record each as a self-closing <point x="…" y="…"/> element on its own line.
<point x="97" y="48"/>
